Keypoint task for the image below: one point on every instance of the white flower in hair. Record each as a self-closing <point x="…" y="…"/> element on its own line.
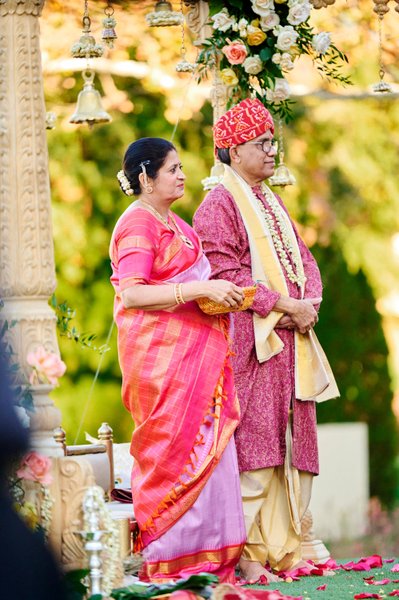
<point x="124" y="183"/>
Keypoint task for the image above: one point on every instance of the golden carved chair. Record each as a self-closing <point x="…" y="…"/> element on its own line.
<point x="100" y="455"/>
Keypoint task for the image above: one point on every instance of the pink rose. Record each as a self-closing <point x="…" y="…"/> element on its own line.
<point x="235" y="52"/>
<point x="47" y="366"/>
<point x="36" y="467"/>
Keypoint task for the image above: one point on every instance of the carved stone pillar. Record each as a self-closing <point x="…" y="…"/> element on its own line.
<point x="312" y="548"/>
<point x="27" y="273"/>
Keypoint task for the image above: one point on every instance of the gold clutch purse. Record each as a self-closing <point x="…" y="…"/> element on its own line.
<point x="210" y="307"/>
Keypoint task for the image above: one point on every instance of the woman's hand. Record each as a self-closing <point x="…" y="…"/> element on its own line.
<point x="224" y="292"/>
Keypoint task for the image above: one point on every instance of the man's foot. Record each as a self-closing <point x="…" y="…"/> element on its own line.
<point x="253" y="571"/>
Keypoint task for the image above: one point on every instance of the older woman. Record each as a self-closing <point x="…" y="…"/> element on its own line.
<point x="280" y="369"/>
<point x="176" y="377"/>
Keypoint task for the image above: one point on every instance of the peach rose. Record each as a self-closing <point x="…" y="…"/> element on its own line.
<point x="36" y="467"/>
<point x="235" y="52"/>
<point x="47" y="366"/>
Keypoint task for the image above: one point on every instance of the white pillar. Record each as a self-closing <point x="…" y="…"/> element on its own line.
<point x="27" y="272"/>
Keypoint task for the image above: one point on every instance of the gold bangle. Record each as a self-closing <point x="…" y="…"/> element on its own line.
<point x="178" y="293"/>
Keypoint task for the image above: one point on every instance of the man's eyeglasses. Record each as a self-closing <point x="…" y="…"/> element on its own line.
<point x="266" y="145"/>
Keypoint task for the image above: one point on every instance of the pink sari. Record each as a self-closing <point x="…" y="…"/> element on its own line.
<point x="178" y="386"/>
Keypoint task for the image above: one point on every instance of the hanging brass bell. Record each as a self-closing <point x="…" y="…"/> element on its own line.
<point x="164" y="16"/>
<point x="282" y="176"/>
<point x="88" y="108"/>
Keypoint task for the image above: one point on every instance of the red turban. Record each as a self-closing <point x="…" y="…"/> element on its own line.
<point x="243" y="122"/>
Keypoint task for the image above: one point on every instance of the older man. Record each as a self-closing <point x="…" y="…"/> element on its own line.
<point x="280" y="369"/>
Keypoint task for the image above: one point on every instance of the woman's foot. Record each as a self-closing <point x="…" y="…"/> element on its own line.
<point x="253" y="571"/>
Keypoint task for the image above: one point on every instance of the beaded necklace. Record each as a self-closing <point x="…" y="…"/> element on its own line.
<point x="283" y="245"/>
<point x="186" y="240"/>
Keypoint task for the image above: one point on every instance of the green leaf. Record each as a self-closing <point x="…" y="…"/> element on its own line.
<point x="265" y="54"/>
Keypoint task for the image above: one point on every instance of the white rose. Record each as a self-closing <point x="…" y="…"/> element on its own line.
<point x="286" y="37"/>
<point x="23" y="416"/>
<point x="299" y="13"/>
<point x="281" y="92"/>
<point x="242" y="27"/>
<point x="321" y="42"/>
<point x="222" y="20"/>
<point x="262" y="7"/>
<point x="284" y="60"/>
<point x="291" y="3"/>
<point x="252" y="65"/>
<point x="270" y="21"/>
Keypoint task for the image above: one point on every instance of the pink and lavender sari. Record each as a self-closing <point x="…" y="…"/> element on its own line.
<point x="178" y="385"/>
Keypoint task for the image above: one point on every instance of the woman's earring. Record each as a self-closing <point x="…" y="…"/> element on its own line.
<point x="148" y="189"/>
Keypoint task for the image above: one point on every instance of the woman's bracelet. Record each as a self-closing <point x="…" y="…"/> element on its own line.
<point x="178" y="293"/>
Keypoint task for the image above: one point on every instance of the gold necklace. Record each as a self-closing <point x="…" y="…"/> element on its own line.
<point x="179" y="232"/>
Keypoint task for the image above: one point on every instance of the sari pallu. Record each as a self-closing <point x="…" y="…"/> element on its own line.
<point x="177" y="384"/>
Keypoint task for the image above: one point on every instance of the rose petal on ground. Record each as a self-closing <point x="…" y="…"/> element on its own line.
<point x="395" y="568"/>
<point x="380" y="582"/>
<point x="322" y="587"/>
<point x="365" y="595"/>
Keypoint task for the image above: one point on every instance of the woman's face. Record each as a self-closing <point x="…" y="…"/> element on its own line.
<point x="252" y="162"/>
<point x="169" y="183"/>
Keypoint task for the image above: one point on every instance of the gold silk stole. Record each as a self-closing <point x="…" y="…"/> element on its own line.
<point x="314" y="379"/>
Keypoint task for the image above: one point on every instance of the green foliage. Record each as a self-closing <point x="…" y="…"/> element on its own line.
<point x="75" y="586"/>
<point x="65" y="314"/>
<point x="350" y="331"/>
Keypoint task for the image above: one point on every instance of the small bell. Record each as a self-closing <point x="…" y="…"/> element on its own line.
<point x="86" y="46"/>
<point x="282" y="176"/>
<point x="164" y="16"/>
<point x="50" y="120"/>
<point x="88" y="108"/>
<point x="185" y="67"/>
<point x="109" y="35"/>
<point x="382" y="87"/>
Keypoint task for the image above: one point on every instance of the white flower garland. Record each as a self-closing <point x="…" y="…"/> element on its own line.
<point x="283" y="246"/>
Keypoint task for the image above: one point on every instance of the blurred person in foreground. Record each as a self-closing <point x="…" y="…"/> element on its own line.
<point x="28" y="570"/>
<point x="176" y="377"/>
<point x="279" y="367"/>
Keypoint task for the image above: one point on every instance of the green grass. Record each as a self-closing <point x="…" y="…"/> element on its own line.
<point x="342" y="586"/>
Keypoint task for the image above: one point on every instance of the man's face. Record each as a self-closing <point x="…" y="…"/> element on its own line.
<point x="255" y="160"/>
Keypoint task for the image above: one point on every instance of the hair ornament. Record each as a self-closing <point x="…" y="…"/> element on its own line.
<point x="124" y="183"/>
<point x="144" y="171"/>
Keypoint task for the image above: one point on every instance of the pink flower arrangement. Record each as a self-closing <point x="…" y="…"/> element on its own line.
<point x="235" y="52"/>
<point x="35" y="467"/>
<point x="47" y="366"/>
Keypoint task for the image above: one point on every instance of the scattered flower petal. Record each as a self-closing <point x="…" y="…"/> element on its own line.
<point x="322" y="587"/>
<point x="395" y="568"/>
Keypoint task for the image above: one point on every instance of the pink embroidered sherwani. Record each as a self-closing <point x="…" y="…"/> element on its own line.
<point x="264" y="389"/>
